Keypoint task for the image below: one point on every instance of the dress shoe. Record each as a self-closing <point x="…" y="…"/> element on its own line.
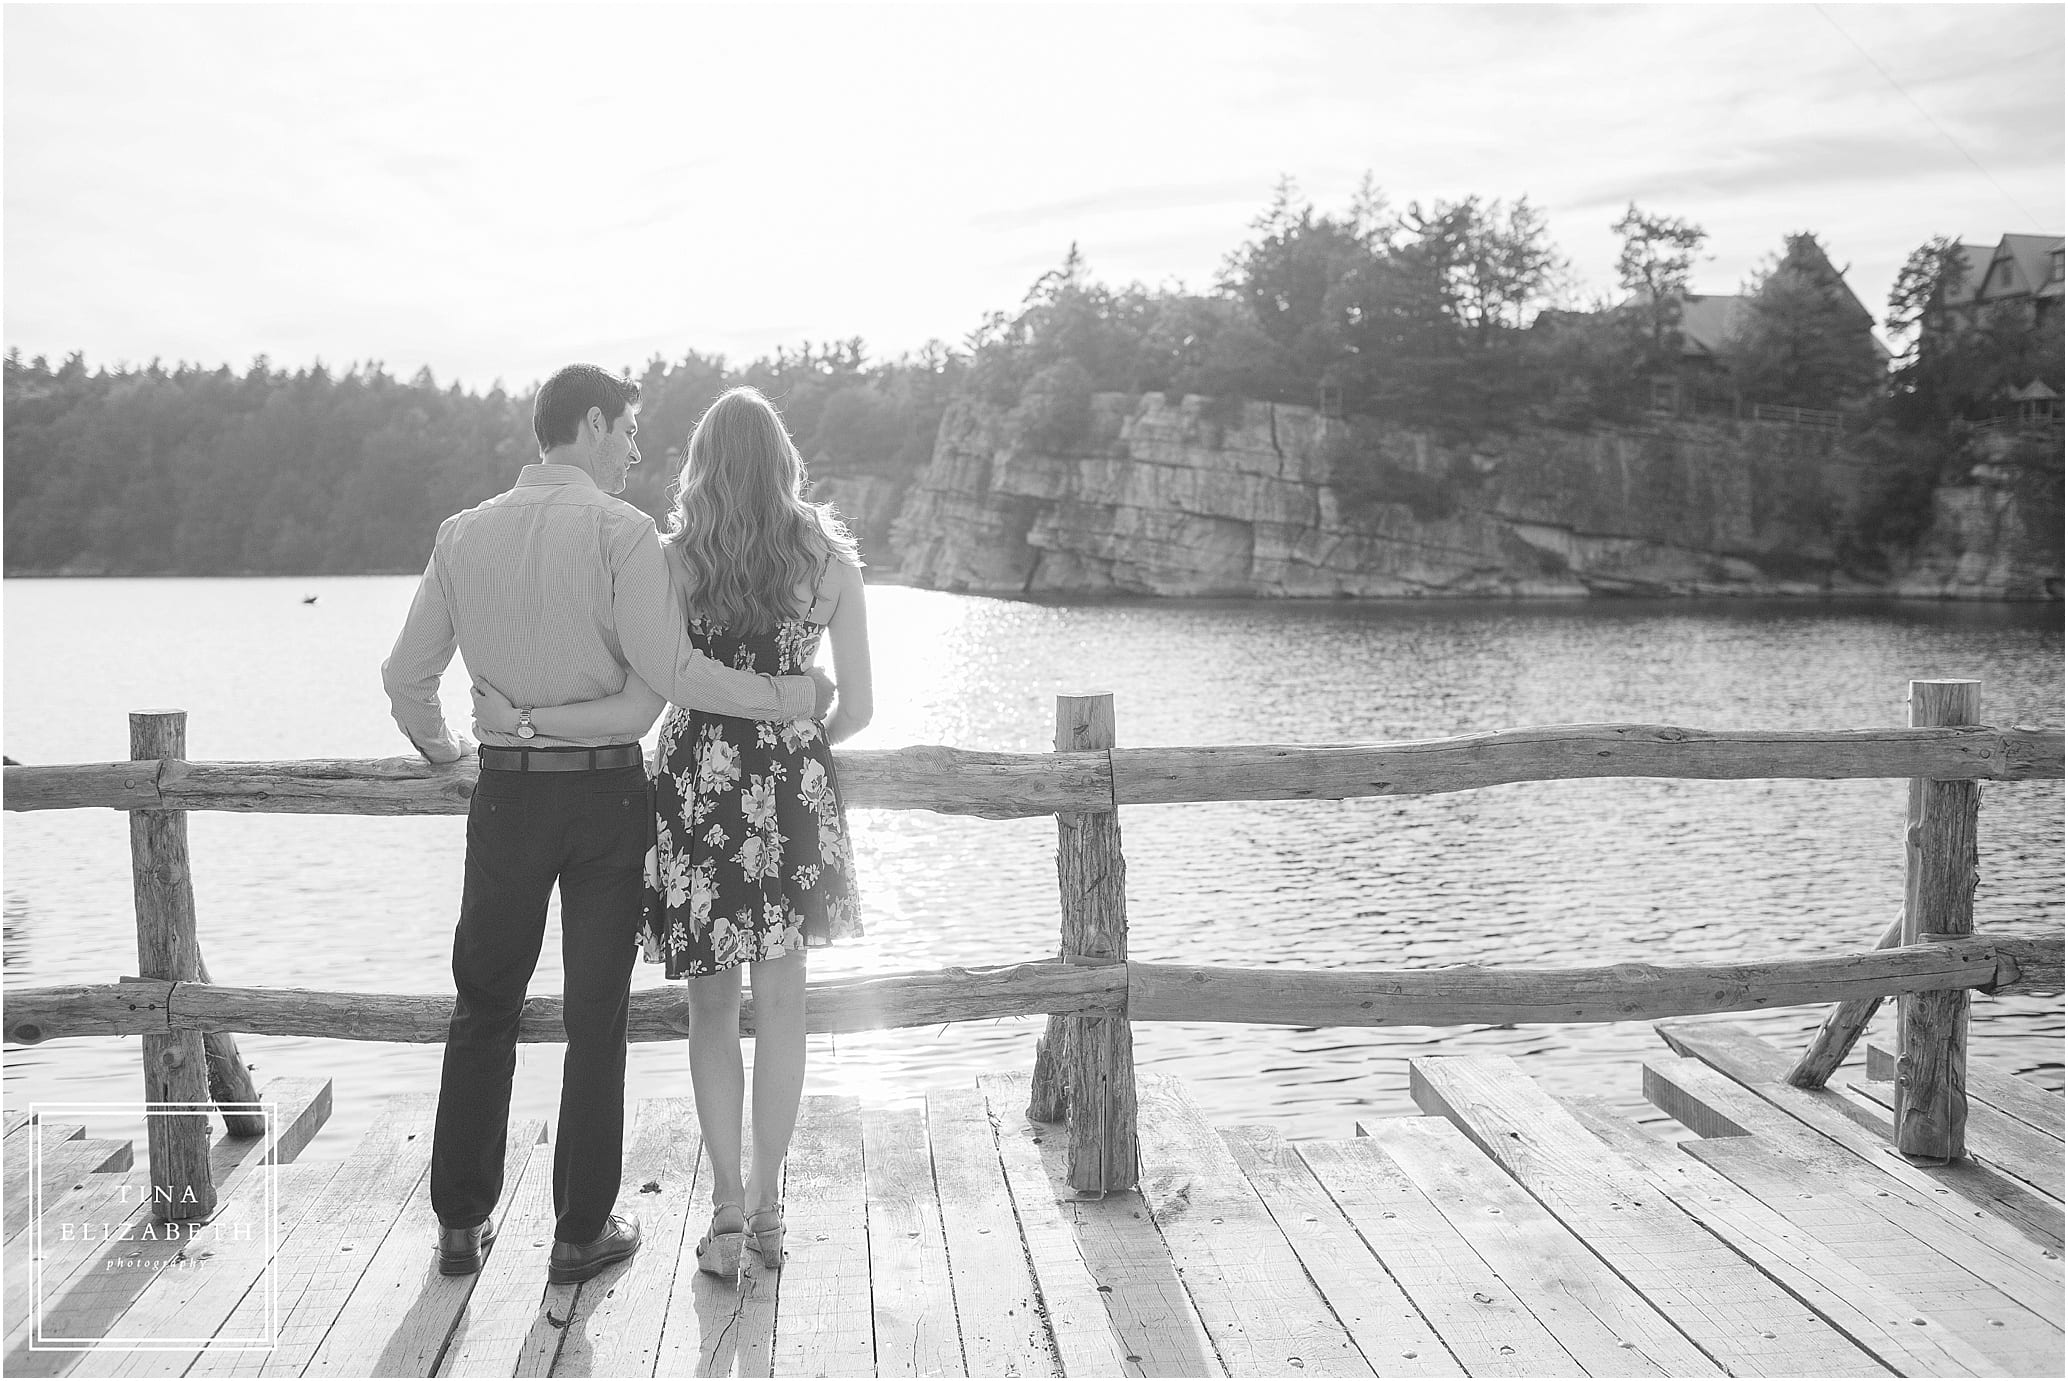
<point x="460" y="1249"/>
<point x="577" y="1261"/>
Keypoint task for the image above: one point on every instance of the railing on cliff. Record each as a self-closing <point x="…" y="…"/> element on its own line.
<point x="1092" y="991"/>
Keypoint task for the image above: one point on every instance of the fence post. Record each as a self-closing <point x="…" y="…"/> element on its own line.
<point x="1938" y="903"/>
<point x="175" y="1064"/>
<point x="1098" y="1058"/>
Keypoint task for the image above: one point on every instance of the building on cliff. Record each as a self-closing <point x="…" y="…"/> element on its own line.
<point x="2022" y="274"/>
<point x="2018" y="282"/>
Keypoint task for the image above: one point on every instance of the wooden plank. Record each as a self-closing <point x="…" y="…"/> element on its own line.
<point x="67" y="1163"/>
<point x="1264" y="1316"/>
<point x="2028" y="1272"/>
<point x="508" y="1328"/>
<point x="719" y="1327"/>
<point x="2028" y="1100"/>
<point x="199" y="1303"/>
<point x="1482" y="1323"/>
<point x="2000" y="1207"/>
<point x="1150" y="1313"/>
<point x="87" y="1291"/>
<point x="2018" y="1150"/>
<point x="399" y="1316"/>
<point x="1606" y="1325"/>
<point x="995" y="1300"/>
<point x="23" y="1150"/>
<point x="1731" y="1310"/>
<point x="1901" y="1331"/>
<point x="824" y="1325"/>
<point x="93" y="1277"/>
<point x="1913" y="1250"/>
<point x="322" y="1261"/>
<point x="908" y="1252"/>
<point x="1084" y="1336"/>
<point x="1390" y="1333"/>
<point x="94" y="1211"/>
<point x="615" y="1326"/>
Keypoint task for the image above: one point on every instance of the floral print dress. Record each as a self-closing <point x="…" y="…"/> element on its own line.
<point x="751" y="859"/>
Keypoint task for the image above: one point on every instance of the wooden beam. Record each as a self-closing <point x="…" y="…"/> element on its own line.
<point x="1460" y="995"/>
<point x="878" y="1002"/>
<point x="1842" y="1026"/>
<point x="1474" y="995"/>
<point x="1153" y="776"/>
<point x="1009" y="785"/>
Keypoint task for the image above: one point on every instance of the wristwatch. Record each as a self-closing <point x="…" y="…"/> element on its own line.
<point x="524" y="729"/>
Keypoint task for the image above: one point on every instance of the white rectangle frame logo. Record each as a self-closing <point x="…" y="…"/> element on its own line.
<point x="268" y="1170"/>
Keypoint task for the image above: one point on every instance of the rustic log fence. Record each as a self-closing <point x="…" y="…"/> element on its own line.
<point x="1929" y="958"/>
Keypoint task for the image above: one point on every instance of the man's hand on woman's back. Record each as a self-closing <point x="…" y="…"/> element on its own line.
<point x="822" y="692"/>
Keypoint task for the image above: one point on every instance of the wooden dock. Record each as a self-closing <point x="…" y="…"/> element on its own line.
<point x="1505" y="1234"/>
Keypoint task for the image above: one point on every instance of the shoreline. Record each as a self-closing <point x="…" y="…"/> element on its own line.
<point x="1605" y="598"/>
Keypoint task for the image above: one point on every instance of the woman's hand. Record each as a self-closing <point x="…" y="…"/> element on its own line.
<point x="493" y="712"/>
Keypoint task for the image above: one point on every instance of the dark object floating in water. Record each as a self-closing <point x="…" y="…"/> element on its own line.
<point x="308" y="599"/>
<point x="10" y="762"/>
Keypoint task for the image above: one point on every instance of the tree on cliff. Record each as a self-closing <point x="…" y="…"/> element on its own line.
<point x="1284" y="276"/>
<point x="1805" y="340"/>
<point x="1657" y="256"/>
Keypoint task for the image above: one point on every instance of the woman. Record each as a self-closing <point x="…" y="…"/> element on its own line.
<point x="752" y="864"/>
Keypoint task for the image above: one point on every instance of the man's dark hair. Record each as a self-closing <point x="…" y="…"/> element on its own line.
<point x="565" y="399"/>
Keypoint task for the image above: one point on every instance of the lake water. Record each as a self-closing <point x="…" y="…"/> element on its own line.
<point x="1527" y="874"/>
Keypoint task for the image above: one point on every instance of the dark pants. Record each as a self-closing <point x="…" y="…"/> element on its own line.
<point x="526" y="830"/>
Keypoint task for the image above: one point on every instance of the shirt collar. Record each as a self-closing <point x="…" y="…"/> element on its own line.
<point x="554" y="474"/>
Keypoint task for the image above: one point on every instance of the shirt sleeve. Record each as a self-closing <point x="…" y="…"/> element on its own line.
<point x="415" y="666"/>
<point x="657" y="646"/>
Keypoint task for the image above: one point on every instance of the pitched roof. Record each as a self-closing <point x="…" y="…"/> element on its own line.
<point x="2030" y="260"/>
<point x="1708" y="320"/>
<point x="2030" y="253"/>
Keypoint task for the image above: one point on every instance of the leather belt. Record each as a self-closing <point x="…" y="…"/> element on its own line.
<point x="562" y="759"/>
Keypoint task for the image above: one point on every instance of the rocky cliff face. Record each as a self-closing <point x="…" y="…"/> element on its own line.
<point x="1986" y="542"/>
<point x="1190" y="497"/>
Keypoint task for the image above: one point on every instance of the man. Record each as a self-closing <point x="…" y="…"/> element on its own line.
<point x="550" y="591"/>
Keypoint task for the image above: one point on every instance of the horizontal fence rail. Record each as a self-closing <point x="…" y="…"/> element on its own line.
<point x="958" y="781"/>
<point x="1453" y="995"/>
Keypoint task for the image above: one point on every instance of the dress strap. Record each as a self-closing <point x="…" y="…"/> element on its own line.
<point x="819" y="584"/>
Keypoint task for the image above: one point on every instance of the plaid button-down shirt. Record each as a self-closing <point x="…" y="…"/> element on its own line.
<point x="549" y="591"/>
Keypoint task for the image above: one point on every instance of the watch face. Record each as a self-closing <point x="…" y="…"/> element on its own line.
<point x="525" y="731"/>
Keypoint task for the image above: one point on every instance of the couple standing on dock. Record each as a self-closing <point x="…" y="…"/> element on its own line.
<point x="579" y="622"/>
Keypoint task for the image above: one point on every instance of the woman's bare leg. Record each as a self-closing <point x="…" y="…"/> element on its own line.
<point x="719" y="1080"/>
<point x="778" y="1071"/>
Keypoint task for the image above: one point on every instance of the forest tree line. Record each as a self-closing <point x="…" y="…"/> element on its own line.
<point x="1432" y="316"/>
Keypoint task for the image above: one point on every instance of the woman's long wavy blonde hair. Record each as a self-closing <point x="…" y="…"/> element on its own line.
<point x="743" y="538"/>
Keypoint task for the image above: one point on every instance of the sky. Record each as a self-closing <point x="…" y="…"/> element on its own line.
<point x="492" y="190"/>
